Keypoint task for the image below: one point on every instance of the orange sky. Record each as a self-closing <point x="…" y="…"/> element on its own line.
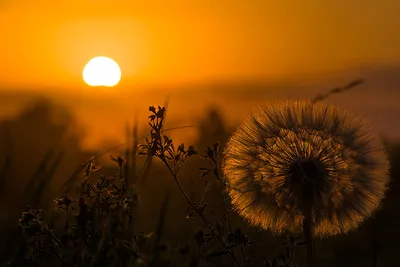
<point x="198" y="46"/>
<point x="47" y="42"/>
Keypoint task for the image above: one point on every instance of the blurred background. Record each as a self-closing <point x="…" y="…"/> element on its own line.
<point x="215" y="62"/>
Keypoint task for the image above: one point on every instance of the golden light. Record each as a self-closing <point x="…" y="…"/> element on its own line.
<point x="101" y="71"/>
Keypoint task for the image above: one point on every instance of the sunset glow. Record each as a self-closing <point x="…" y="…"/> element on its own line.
<point x="102" y="71"/>
<point x="155" y="43"/>
<point x="195" y="52"/>
<point x="257" y="119"/>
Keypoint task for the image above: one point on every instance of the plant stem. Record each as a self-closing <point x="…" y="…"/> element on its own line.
<point x="201" y="215"/>
<point x="308" y="235"/>
<point x="224" y="192"/>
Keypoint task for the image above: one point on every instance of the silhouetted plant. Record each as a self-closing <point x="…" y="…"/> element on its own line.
<point x="305" y="167"/>
<point x="233" y="243"/>
<point x="300" y="169"/>
<point x="98" y="234"/>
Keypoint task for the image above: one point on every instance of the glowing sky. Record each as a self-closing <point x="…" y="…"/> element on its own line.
<point x="183" y="44"/>
<point x="47" y="42"/>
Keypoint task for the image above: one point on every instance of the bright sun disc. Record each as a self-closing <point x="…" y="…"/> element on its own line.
<point x="101" y="71"/>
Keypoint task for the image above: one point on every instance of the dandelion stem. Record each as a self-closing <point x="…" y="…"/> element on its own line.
<point x="309" y="175"/>
<point x="308" y="235"/>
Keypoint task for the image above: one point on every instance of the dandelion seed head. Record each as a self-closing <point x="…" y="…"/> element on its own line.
<point x="284" y="148"/>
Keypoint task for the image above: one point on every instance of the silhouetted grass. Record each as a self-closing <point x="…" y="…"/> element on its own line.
<point x="97" y="213"/>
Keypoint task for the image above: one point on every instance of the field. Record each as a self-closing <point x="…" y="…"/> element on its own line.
<point x="155" y="202"/>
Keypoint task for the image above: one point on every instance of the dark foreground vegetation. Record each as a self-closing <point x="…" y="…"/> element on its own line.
<point x="152" y="202"/>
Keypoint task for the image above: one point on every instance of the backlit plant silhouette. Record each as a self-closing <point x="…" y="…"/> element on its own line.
<point x="297" y="168"/>
<point x="302" y="166"/>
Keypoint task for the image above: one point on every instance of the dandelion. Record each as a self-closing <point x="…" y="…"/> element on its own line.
<point x="301" y="166"/>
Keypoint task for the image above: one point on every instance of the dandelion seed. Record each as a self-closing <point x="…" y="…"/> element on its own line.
<point x="297" y="151"/>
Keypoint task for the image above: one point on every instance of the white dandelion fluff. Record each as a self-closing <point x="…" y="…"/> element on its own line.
<point x="300" y="152"/>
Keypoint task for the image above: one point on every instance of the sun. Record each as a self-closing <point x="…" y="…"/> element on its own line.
<point x="101" y="71"/>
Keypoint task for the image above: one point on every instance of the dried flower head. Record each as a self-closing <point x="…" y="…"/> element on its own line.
<point x="295" y="147"/>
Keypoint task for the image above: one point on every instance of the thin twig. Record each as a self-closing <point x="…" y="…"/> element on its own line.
<point x="71" y="178"/>
<point x="337" y="90"/>
<point x="191" y="203"/>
